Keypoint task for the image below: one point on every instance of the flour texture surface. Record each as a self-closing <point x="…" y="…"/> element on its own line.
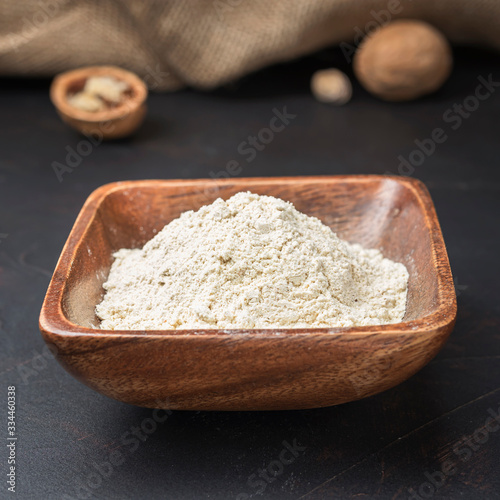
<point x="250" y="262"/>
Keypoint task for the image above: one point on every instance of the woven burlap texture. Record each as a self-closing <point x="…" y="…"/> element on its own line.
<point x="207" y="43"/>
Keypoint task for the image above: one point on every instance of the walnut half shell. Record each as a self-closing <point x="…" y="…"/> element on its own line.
<point x="108" y="110"/>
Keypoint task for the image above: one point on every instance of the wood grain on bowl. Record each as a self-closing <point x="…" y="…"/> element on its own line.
<point x="251" y="369"/>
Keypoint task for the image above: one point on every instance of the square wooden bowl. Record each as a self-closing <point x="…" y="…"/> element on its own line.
<point x="251" y="369"/>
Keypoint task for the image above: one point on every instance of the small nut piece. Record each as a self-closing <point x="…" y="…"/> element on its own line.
<point x="332" y="86"/>
<point x="86" y="102"/>
<point x="107" y="88"/>
<point x="105" y="101"/>
<point x="403" y="60"/>
<point x="99" y="93"/>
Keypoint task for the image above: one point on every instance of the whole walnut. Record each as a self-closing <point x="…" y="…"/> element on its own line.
<point x="403" y="60"/>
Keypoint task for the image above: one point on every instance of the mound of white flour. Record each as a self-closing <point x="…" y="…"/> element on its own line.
<point x="250" y="262"/>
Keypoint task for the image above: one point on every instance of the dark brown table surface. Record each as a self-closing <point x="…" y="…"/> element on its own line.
<point x="430" y="437"/>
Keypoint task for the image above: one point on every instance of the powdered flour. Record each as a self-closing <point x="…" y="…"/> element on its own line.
<point x="250" y="262"/>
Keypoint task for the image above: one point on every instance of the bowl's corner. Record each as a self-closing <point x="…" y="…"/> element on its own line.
<point x="417" y="185"/>
<point x="103" y="190"/>
<point x="46" y="325"/>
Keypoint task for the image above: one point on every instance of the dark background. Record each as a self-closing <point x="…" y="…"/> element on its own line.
<point x="381" y="447"/>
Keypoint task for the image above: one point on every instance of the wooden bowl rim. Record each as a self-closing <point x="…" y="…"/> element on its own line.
<point x="59" y="92"/>
<point x="54" y="323"/>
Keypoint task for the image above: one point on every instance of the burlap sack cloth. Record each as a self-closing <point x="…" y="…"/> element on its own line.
<point x="206" y="43"/>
